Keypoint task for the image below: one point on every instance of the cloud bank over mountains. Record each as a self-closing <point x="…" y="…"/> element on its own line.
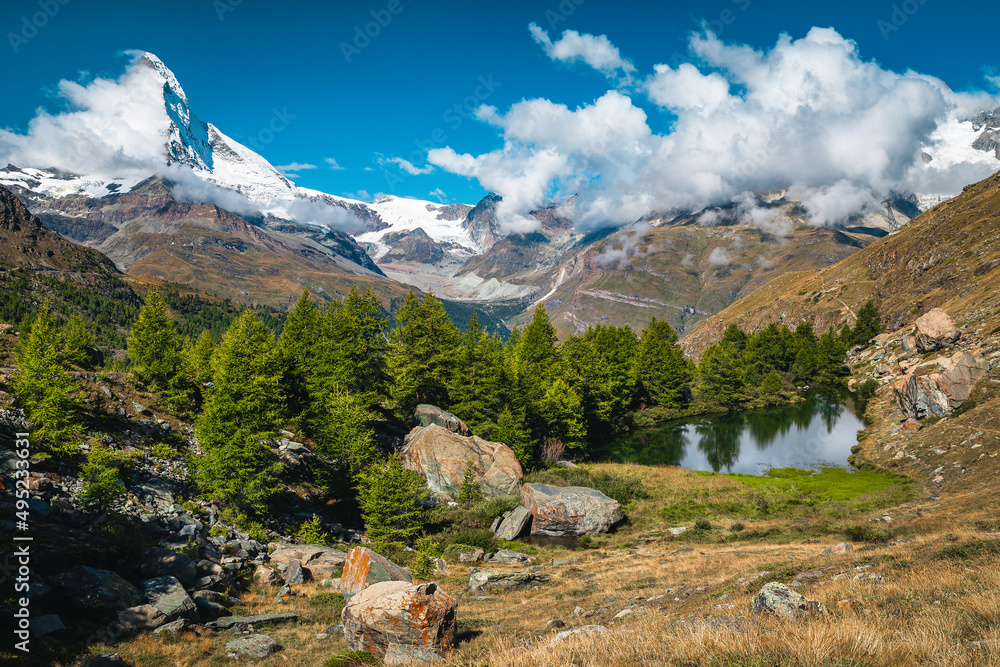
<point x="807" y="115"/>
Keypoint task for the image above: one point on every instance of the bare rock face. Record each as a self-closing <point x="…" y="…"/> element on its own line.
<point x="99" y="590"/>
<point x="569" y="510"/>
<point x="364" y="568"/>
<point x="780" y="600"/>
<point x="936" y="388"/>
<point x="441" y="457"/>
<point x="425" y="415"/>
<point x="399" y="619"/>
<point x="935" y="330"/>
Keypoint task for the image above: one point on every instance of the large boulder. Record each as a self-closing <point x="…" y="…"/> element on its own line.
<point x="936" y="388"/>
<point x="442" y="457"/>
<point x="139" y="619"/>
<point x="779" y="600"/>
<point x="364" y="567"/>
<point x="319" y="562"/>
<point x="513" y="523"/>
<point x="169" y="597"/>
<point x="425" y="415"/>
<point x="935" y="330"/>
<point x="98" y="590"/>
<point x="569" y="510"/>
<point x="401" y="613"/>
<point x="157" y="562"/>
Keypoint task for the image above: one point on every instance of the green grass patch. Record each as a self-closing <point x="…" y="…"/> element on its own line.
<point x="969" y="550"/>
<point x="788" y="493"/>
<point x="352" y="659"/>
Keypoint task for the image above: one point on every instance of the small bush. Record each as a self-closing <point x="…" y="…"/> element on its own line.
<point x="476" y="537"/>
<point x="162" y="450"/>
<point x="737" y="527"/>
<point x="352" y="659"/>
<point x="866" y="390"/>
<point x="218" y="530"/>
<point x="102" y="490"/>
<point x="970" y="550"/>
<point x="621" y="488"/>
<point x="328" y="602"/>
<point x="702" y="524"/>
<point x="560" y="477"/>
<point x="311" y="532"/>
<point x="866" y="533"/>
<point x="469" y="493"/>
<point x="488" y="510"/>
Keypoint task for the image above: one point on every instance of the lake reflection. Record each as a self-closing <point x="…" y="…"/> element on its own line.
<point x="821" y="430"/>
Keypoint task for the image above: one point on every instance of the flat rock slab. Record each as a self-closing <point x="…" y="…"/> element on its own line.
<point x="508" y="557"/>
<point x="168" y="596"/>
<point x="491" y="580"/>
<point x="513" y="523"/>
<point x="570" y="511"/>
<point x="257" y="647"/>
<point x="259" y="619"/>
<point x="364" y="567"/>
<point x="99" y="590"/>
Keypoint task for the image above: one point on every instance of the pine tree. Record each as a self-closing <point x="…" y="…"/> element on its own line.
<point x="389" y="496"/>
<point x="469" y="492"/>
<point x="422" y="354"/>
<point x="198" y="360"/>
<point x="663" y="374"/>
<point x="869" y="323"/>
<point x="344" y="439"/>
<point x="44" y="389"/>
<point x="771" y="385"/>
<point x="561" y="411"/>
<point x="297" y="352"/>
<point x="240" y="416"/>
<point x="720" y="375"/>
<point x="78" y="343"/>
<point x="537" y="354"/>
<point x="153" y="344"/>
<point x="511" y="430"/>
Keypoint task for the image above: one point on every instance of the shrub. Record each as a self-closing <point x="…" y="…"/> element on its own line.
<point x="102" y="490"/>
<point x="488" y="510"/>
<point x="475" y="537"/>
<point x="218" y="530"/>
<point x="866" y="390"/>
<point x="621" y="488"/>
<point x="469" y="493"/>
<point x="352" y="659"/>
<point x="311" y="532"/>
<point x="970" y="550"/>
<point x="737" y="527"/>
<point x="702" y="524"/>
<point x="333" y="603"/>
<point x="866" y="533"/>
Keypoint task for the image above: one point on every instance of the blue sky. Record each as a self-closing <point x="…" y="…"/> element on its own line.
<point x="396" y="97"/>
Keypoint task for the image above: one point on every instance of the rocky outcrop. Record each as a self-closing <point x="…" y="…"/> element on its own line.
<point x="441" y="458"/>
<point x="779" y="600"/>
<point x="168" y="596"/>
<point x="569" y="510"/>
<point x="395" y="617"/>
<point x="253" y="646"/>
<point x="316" y="561"/>
<point x="936" y="388"/>
<point x="364" y="568"/>
<point x="513" y="523"/>
<point x="935" y="331"/>
<point x="425" y="415"/>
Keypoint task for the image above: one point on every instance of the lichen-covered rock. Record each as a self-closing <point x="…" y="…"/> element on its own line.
<point x="569" y="510"/>
<point x="99" y="590"/>
<point x="938" y="387"/>
<point x="838" y="549"/>
<point x="253" y="646"/>
<point x="364" y="567"/>
<point x="441" y="458"/>
<point x="168" y="595"/>
<point x="780" y="600"/>
<point x="935" y="330"/>
<point x="399" y="612"/>
<point x="513" y="523"/>
<point x="425" y="415"/>
<point x="491" y="580"/>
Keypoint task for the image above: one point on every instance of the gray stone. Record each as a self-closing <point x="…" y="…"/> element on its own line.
<point x="209" y="609"/>
<point x="266" y="576"/>
<point x="241" y="621"/>
<point x="838" y="549"/>
<point x="491" y="580"/>
<point x="167" y="594"/>
<point x="140" y="618"/>
<point x="42" y="626"/>
<point x="513" y="524"/>
<point x="508" y="557"/>
<point x="578" y="633"/>
<point x="157" y="562"/>
<point x="425" y="415"/>
<point x="253" y="646"/>
<point x="779" y="600"/>
<point x="294" y="573"/>
<point x="469" y="557"/>
<point x="100" y="590"/>
<point x="569" y="510"/>
<point x="172" y="628"/>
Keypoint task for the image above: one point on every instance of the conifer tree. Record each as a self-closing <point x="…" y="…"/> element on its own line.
<point x="869" y="323"/>
<point x="44" y="389"/>
<point x="511" y="430"/>
<point x="78" y="343"/>
<point x="239" y="417"/>
<point x="153" y="344"/>
<point x="297" y="353"/>
<point x="561" y="411"/>
<point x="389" y="496"/>
<point x="720" y="375"/>
<point x="345" y="440"/>
<point x="422" y="354"/>
<point x="537" y="355"/>
<point x="663" y="374"/>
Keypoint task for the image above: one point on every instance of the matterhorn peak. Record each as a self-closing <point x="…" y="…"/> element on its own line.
<point x="147" y="59"/>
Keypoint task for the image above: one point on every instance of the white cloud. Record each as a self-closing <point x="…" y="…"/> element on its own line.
<point x="332" y="163"/>
<point x="622" y="247"/>
<point x="291" y="169"/>
<point x="719" y="257"/>
<point x="409" y="167"/>
<point x="808" y="113"/>
<point x="438" y="194"/>
<point x="597" y="52"/>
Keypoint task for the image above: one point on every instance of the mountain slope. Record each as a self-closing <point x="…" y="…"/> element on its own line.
<point x="948" y="257"/>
